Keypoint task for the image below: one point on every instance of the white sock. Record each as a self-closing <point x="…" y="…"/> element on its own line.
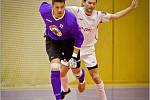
<point x="101" y="91"/>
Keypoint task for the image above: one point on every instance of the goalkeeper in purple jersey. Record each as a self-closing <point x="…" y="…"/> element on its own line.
<point x="63" y="42"/>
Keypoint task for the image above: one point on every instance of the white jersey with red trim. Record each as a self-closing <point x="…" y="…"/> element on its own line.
<point x="89" y="24"/>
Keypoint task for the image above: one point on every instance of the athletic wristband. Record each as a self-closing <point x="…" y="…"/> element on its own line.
<point x="74" y="55"/>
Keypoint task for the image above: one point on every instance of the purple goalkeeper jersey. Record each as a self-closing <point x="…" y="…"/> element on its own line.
<point x="65" y="28"/>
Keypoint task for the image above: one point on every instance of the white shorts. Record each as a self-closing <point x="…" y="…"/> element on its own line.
<point x="88" y="56"/>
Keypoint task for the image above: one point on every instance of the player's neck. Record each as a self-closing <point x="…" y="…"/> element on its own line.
<point x="87" y="13"/>
<point x="57" y="17"/>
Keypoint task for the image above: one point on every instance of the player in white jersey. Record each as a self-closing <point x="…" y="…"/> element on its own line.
<point x="88" y="20"/>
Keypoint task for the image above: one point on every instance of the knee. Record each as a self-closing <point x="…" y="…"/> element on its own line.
<point x="55" y="66"/>
<point x="55" y="70"/>
<point x="95" y="78"/>
<point x="78" y="73"/>
<point x="75" y="70"/>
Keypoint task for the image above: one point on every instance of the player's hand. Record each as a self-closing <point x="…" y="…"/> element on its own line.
<point x="134" y="4"/>
<point x="73" y="62"/>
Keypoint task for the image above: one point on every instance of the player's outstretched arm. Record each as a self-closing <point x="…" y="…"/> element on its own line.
<point x="125" y="11"/>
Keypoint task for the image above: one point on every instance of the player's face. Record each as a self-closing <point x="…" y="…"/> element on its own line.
<point x="58" y="8"/>
<point x="90" y="6"/>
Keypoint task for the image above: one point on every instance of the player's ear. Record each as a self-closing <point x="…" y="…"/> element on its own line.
<point x="83" y="3"/>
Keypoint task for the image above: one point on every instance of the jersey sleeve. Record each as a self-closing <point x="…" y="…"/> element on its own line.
<point x="77" y="34"/>
<point x="43" y="8"/>
<point x="104" y="16"/>
<point x="73" y="9"/>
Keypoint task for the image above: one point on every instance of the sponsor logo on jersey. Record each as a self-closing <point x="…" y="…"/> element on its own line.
<point x="55" y="30"/>
<point x="48" y="20"/>
<point x="80" y="18"/>
<point x="86" y="29"/>
<point x="52" y="57"/>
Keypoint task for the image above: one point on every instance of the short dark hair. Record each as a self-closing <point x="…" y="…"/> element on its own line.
<point x="85" y="0"/>
<point x="53" y="1"/>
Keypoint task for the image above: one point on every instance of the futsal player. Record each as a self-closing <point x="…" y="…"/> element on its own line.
<point x="88" y="19"/>
<point x="63" y="43"/>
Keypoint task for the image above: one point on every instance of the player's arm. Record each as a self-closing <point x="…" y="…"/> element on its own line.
<point x="78" y="36"/>
<point x="78" y="39"/>
<point x="43" y="8"/>
<point x="125" y="11"/>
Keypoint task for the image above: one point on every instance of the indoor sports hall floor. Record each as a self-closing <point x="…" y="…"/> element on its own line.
<point x="115" y="93"/>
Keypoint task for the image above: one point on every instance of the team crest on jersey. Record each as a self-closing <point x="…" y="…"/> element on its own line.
<point x="61" y="26"/>
<point x="55" y="30"/>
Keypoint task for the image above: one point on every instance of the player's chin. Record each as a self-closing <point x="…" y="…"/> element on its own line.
<point x="90" y="10"/>
<point x="60" y="15"/>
